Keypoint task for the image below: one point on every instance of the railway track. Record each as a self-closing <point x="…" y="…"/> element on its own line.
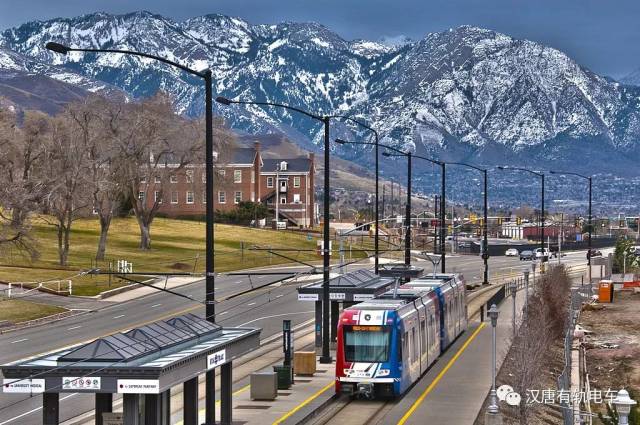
<point x="350" y="411"/>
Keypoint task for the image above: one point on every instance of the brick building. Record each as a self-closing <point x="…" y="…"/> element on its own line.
<point x="246" y="176"/>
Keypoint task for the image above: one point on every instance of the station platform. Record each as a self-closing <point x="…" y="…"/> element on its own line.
<point x="455" y="388"/>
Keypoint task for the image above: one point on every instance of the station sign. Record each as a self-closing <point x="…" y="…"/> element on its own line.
<point x="362" y="297"/>
<point x="23" y="386"/>
<point x="308" y="297"/>
<point x="138" y="386"/>
<point x="337" y="296"/>
<point x="216" y="359"/>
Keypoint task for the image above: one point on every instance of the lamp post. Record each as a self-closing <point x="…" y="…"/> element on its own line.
<point x="485" y="240"/>
<point x="589" y="179"/>
<point x="377" y="217"/>
<point x="623" y="405"/>
<point x="541" y="175"/>
<point x="442" y="196"/>
<point x="407" y="213"/>
<point x="209" y="236"/>
<point x="324" y="119"/>
<point x="513" y="288"/>
<point x="493" y="410"/>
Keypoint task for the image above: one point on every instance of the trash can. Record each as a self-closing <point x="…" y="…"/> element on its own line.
<point x="284" y="376"/>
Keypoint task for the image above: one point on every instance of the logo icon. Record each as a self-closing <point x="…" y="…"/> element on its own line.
<point x="506" y="393"/>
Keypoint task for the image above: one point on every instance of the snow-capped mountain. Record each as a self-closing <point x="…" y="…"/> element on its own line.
<point x="632" y="79"/>
<point x="458" y="94"/>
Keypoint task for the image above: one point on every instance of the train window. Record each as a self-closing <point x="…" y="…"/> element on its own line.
<point x="414" y="350"/>
<point x="424" y="335"/>
<point x="367" y="343"/>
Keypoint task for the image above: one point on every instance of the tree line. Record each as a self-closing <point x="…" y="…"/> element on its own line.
<point x="91" y="158"/>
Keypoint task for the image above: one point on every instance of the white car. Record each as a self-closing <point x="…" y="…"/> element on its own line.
<point x="511" y="252"/>
<point x="546" y="254"/>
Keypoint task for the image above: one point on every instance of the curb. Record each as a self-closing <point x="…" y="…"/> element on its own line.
<point x="43" y="320"/>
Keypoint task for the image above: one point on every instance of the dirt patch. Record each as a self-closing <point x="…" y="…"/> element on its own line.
<point x="182" y="266"/>
<point x="613" y="347"/>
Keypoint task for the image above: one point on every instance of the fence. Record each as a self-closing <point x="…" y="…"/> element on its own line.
<point x="578" y="296"/>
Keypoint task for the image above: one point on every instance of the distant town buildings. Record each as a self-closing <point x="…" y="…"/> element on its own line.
<point x="244" y="176"/>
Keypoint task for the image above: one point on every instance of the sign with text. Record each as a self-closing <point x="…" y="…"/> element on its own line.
<point x="216" y="359"/>
<point x="138" y="386"/>
<point x="362" y="297"/>
<point x="112" y="418"/>
<point x="307" y="297"/>
<point x="337" y="296"/>
<point x="23" y="385"/>
<point x="80" y="383"/>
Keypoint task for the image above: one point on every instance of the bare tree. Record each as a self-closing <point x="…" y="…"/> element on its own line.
<point x="154" y="145"/>
<point x="96" y="120"/>
<point x="20" y="193"/>
<point x="64" y="170"/>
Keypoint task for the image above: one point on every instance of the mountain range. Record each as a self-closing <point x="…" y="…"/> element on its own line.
<point x="464" y="94"/>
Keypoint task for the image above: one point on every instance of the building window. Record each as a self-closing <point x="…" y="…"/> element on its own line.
<point x="143" y="179"/>
<point x="157" y="180"/>
<point x="173" y="178"/>
<point x="283" y="166"/>
<point x="237" y="176"/>
<point x="204" y="196"/>
<point x="156" y="196"/>
<point x="270" y="201"/>
<point x="296" y="198"/>
<point x="296" y="181"/>
<point x="174" y="197"/>
<point x="253" y="176"/>
<point x="141" y="196"/>
<point x="238" y="197"/>
<point x="189" y="175"/>
<point x="222" y="173"/>
<point x="222" y="197"/>
<point x="269" y="181"/>
<point x="189" y="197"/>
<point x="283" y="200"/>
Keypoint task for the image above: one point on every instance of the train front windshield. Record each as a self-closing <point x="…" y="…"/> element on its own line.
<point x="367" y="344"/>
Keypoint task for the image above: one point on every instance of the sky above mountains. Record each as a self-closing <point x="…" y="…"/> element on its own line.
<point x="603" y="35"/>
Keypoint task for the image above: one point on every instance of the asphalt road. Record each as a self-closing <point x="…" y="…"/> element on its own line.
<point x="264" y="308"/>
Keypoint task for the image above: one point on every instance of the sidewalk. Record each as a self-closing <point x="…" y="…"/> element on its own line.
<point x="455" y="388"/>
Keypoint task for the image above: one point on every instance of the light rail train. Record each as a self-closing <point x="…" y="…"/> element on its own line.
<point x="387" y="343"/>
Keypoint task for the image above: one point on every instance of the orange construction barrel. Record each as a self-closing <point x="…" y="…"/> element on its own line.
<point x="605" y="291"/>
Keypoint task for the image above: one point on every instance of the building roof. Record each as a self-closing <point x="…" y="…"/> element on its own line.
<point x="294" y="165"/>
<point x="243" y="156"/>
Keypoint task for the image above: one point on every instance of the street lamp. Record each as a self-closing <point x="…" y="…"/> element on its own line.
<point x="442" y="197"/>
<point x="623" y="405"/>
<point x="493" y="410"/>
<point x="513" y="288"/>
<point x="209" y="272"/>
<point x="541" y="175"/>
<point x="324" y="119"/>
<point x="377" y="218"/>
<point x="588" y="178"/>
<point x="407" y="237"/>
<point x="485" y="240"/>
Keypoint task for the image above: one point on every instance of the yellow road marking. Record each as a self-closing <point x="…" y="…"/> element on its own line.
<point x="431" y="386"/>
<point x="241" y="390"/>
<point x="304" y="403"/>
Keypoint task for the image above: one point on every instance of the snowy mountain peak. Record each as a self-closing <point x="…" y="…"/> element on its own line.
<point x="460" y="93"/>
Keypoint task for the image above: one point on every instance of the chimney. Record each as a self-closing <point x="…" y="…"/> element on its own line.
<point x="256" y="146"/>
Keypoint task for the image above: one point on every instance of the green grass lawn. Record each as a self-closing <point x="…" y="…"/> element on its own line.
<point x="176" y="245"/>
<point x="16" y="311"/>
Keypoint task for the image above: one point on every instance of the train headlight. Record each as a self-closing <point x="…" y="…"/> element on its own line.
<point x="383" y="372"/>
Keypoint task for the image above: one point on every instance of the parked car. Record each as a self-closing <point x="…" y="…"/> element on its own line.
<point x="594" y="253"/>
<point x="511" y="252"/>
<point x="527" y="255"/>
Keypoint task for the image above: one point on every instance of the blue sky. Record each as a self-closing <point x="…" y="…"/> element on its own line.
<point x="604" y="35"/>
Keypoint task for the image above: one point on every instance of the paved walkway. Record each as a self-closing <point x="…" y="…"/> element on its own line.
<point x="455" y="388"/>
